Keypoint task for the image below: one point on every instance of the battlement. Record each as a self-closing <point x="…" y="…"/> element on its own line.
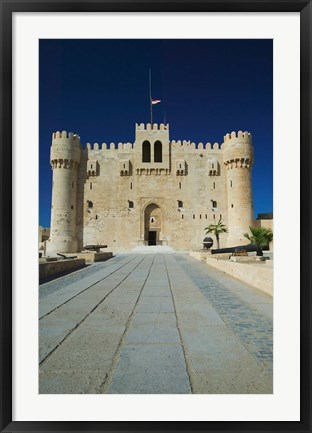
<point x="121" y="147"/>
<point x="150" y="127"/>
<point x="242" y="136"/>
<point x="66" y="148"/>
<point x="64" y="134"/>
<point x="188" y="145"/>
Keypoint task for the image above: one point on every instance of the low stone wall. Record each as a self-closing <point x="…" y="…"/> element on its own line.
<point x="50" y="269"/>
<point x="259" y="275"/>
<point x="92" y="256"/>
<point x="197" y="255"/>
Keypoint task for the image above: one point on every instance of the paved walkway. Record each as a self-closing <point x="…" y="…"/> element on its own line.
<point x="156" y="323"/>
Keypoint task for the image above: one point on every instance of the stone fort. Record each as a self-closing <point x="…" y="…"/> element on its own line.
<point x="155" y="191"/>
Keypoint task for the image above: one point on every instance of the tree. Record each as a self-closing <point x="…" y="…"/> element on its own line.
<point x="216" y="229"/>
<point x="259" y="236"/>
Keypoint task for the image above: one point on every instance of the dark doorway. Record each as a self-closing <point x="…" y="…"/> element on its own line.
<point x="152" y="238"/>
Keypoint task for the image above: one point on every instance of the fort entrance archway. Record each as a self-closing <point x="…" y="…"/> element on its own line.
<point x="152" y="224"/>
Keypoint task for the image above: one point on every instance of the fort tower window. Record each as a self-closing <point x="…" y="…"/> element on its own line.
<point x="157" y="151"/>
<point x="180" y="203"/>
<point x="146" y="151"/>
<point x="131" y="205"/>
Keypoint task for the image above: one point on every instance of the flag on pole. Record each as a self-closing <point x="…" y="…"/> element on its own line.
<point x="155" y="101"/>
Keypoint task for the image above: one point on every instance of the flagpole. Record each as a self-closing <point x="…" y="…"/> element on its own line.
<point x="150" y="89"/>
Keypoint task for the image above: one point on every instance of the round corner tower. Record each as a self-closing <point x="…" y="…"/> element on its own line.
<point x="238" y="159"/>
<point x="65" y="159"/>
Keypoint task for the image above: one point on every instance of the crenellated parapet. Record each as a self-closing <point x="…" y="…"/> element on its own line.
<point x="110" y="148"/>
<point x="65" y="150"/>
<point x="188" y="145"/>
<point x="242" y="136"/>
<point x="151" y="127"/>
<point x="238" y="150"/>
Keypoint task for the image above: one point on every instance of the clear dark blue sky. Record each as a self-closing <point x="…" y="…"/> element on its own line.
<point x="99" y="89"/>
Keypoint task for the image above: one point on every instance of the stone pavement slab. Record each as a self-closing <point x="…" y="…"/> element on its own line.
<point x="151" y="369"/>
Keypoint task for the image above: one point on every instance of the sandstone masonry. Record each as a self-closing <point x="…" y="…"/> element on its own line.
<point x="152" y="192"/>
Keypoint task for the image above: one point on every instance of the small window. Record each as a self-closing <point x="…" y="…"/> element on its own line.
<point x="232" y="205"/>
<point x="152" y="220"/>
<point x="91" y="166"/>
<point x="96" y="217"/>
<point x="212" y="166"/>
<point x="231" y="183"/>
<point x="146" y="151"/>
<point x="182" y="216"/>
<point x="214" y="185"/>
<point x="200" y="216"/>
<point x="124" y="165"/>
<point x="90" y="185"/>
<point x="130" y="185"/>
<point x="206" y="216"/>
<point x="180" y="203"/>
<point x="180" y="165"/>
<point x="193" y="216"/>
<point x="90" y="204"/>
<point x="131" y="205"/>
<point x="157" y="151"/>
<point x="220" y="216"/>
<point x="214" y="203"/>
<point x="180" y="186"/>
<point x="214" y="217"/>
<point x="72" y="207"/>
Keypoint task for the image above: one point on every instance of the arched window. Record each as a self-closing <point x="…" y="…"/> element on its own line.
<point x="146" y="151"/>
<point x="131" y="204"/>
<point x="180" y="203"/>
<point x="157" y="151"/>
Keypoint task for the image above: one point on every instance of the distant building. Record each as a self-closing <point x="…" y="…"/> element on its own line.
<point x="43" y="236"/>
<point x="154" y="191"/>
<point x="265" y="220"/>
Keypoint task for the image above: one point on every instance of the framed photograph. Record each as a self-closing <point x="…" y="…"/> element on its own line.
<point x="191" y="129"/>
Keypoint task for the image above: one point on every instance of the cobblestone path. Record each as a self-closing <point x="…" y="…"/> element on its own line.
<point x="254" y="330"/>
<point x="154" y="324"/>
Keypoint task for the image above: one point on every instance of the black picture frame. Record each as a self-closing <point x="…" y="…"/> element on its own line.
<point x="7" y="9"/>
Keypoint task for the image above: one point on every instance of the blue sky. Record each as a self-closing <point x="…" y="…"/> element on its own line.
<point x="99" y="89"/>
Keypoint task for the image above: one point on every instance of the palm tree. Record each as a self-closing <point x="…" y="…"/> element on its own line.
<point x="216" y="229"/>
<point x="260" y="236"/>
